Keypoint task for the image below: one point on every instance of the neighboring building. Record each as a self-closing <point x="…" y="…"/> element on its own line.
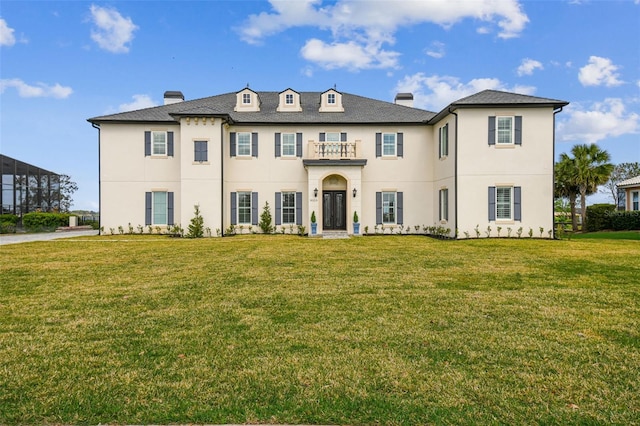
<point x="27" y="188"/>
<point x="485" y="160"/>
<point x="629" y="194"/>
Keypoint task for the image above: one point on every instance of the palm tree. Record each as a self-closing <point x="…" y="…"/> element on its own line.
<point x="565" y="185"/>
<point x="592" y="168"/>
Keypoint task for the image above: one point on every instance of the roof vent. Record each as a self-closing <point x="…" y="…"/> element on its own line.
<point x="405" y="99"/>
<point x="173" y="97"/>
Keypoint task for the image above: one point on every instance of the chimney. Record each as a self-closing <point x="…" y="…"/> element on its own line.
<point x="173" y="97"/>
<point x="405" y="99"/>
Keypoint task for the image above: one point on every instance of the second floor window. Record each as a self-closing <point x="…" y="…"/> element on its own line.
<point x="244" y="144"/>
<point x="159" y="142"/>
<point x="288" y="144"/>
<point x="504" y="133"/>
<point x="444" y="141"/>
<point x="200" y="151"/>
<point x="389" y="144"/>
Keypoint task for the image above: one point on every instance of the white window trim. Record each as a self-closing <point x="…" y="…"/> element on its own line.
<point x="287" y="97"/>
<point x="282" y="207"/>
<point x="238" y="154"/>
<point x="395" y="145"/>
<point x="238" y="207"/>
<point x="282" y="145"/>
<point x="153" y="145"/>
<point x="331" y="99"/>
<point x="511" y="206"/>
<point x="246" y="99"/>
<point x="444" y="141"/>
<point x="512" y="138"/>
<point x="153" y="208"/>
<point x="395" y="207"/>
<point x="328" y="139"/>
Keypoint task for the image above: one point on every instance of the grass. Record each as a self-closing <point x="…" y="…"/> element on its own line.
<point x="609" y="235"/>
<point x="280" y="329"/>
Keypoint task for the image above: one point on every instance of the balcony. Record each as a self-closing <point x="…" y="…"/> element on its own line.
<point x="334" y="153"/>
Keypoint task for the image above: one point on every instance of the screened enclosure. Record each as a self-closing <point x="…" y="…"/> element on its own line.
<point x="27" y="188"/>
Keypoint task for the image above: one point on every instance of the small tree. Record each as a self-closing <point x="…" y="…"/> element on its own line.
<point x="196" y="227"/>
<point x="265" y="219"/>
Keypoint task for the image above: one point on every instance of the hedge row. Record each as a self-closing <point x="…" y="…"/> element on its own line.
<point x="605" y="216"/>
<point x="44" y="221"/>
<point x="8" y="223"/>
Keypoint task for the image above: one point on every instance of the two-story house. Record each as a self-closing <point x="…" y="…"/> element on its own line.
<point x="483" y="161"/>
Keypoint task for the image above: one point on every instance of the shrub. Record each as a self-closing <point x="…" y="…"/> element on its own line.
<point x="196" y="227"/>
<point x="598" y="217"/>
<point x="265" y="219"/>
<point x="624" y="221"/>
<point x="38" y="221"/>
<point x="8" y="223"/>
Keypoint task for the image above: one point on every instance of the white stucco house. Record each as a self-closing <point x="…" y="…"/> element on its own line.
<point x="484" y="161"/>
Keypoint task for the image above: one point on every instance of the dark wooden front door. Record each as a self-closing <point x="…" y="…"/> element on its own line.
<point x="334" y="210"/>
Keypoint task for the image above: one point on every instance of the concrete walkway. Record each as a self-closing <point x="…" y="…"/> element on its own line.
<point x="43" y="236"/>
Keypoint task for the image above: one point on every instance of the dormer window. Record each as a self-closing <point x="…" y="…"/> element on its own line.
<point x="247" y="101"/>
<point x="246" y="98"/>
<point x="331" y="101"/>
<point x="331" y="98"/>
<point x="288" y="99"/>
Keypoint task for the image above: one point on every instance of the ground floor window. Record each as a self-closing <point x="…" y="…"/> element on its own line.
<point x="244" y="207"/>
<point x="388" y="207"/>
<point x="444" y="204"/>
<point x="503" y="203"/>
<point x="288" y="207"/>
<point x="160" y="205"/>
<point x="635" y="201"/>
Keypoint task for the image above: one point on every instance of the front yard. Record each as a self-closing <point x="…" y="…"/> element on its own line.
<point x="283" y="329"/>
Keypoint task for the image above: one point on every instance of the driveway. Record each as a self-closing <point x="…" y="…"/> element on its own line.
<point x="43" y="236"/>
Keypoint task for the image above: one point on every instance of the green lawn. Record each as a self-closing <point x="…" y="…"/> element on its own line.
<point x="283" y="329"/>
<point x="609" y="235"/>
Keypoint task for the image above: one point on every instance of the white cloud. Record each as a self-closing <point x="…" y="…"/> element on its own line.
<point x="139" y="102"/>
<point x="363" y="27"/>
<point x="599" y="71"/>
<point x="436" y="92"/>
<point x="600" y="121"/>
<point x="112" y="31"/>
<point x="6" y="34"/>
<point x="436" y="50"/>
<point x="40" y="90"/>
<point x="528" y="66"/>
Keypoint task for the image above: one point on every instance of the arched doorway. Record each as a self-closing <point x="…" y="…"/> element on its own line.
<point x="334" y="203"/>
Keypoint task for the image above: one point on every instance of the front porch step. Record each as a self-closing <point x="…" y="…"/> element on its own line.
<point x="335" y="234"/>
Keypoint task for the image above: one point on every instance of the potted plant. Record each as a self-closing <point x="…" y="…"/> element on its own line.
<point x="356" y="224"/>
<point x="314" y="225"/>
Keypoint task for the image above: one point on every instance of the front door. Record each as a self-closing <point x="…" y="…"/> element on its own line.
<point x="334" y="210"/>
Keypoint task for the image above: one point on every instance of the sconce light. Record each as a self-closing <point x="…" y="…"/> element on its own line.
<point x="355" y="192"/>
<point x="315" y="193"/>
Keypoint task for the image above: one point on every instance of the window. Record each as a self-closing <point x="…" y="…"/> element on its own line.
<point x="332" y="137"/>
<point x="244" y="207"/>
<point x="244" y="144"/>
<point x="504" y="132"/>
<point x="444" y="204"/>
<point x="444" y="141"/>
<point x="388" y="207"/>
<point x="288" y="144"/>
<point x="246" y="98"/>
<point x="389" y="144"/>
<point x="288" y="207"/>
<point x="331" y="98"/>
<point x="160" y="208"/>
<point x="635" y="202"/>
<point x="200" y="151"/>
<point x="503" y="203"/>
<point x="159" y="141"/>
<point x="288" y="99"/>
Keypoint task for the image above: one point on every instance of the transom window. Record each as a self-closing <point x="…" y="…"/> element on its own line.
<point x="244" y="144"/>
<point x="246" y="98"/>
<point x="504" y="132"/>
<point x="388" y="207"/>
<point x="332" y="137"/>
<point x="288" y="99"/>
<point x="288" y="207"/>
<point x="288" y="144"/>
<point x="159" y="142"/>
<point x="244" y="207"/>
<point x="504" y="202"/>
<point x="331" y="98"/>
<point x="160" y="206"/>
<point x="389" y="144"/>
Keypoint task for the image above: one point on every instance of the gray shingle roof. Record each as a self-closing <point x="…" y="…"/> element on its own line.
<point x="495" y="97"/>
<point x="357" y="109"/>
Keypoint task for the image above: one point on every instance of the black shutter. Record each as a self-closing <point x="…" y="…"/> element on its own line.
<point x="234" y="208"/>
<point x="343" y="137"/>
<point x="147" y="208"/>
<point x="299" y="145"/>
<point x="254" y="146"/>
<point x="492" y="130"/>
<point x="399" y="208"/>
<point x="147" y="144"/>
<point x="254" y="206"/>
<point x="232" y="144"/>
<point x="170" y="208"/>
<point x="321" y="137"/>
<point x="400" y="144"/>
<point x="379" y="146"/>
<point x="492" y="203"/>
<point x="278" y="144"/>
<point x="378" y="208"/>
<point x="517" y="203"/>
<point x="278" y="208"/>
<point x="517" y="136"/>
<point x="298" y="208"/>
<point x="170" y="144"/>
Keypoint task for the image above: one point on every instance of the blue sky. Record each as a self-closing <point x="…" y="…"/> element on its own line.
<point x="62" y="62"/>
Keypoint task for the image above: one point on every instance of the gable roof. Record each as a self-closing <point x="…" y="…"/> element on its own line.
<point x="634" y="181"/>
<point x="357" y="110"/>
